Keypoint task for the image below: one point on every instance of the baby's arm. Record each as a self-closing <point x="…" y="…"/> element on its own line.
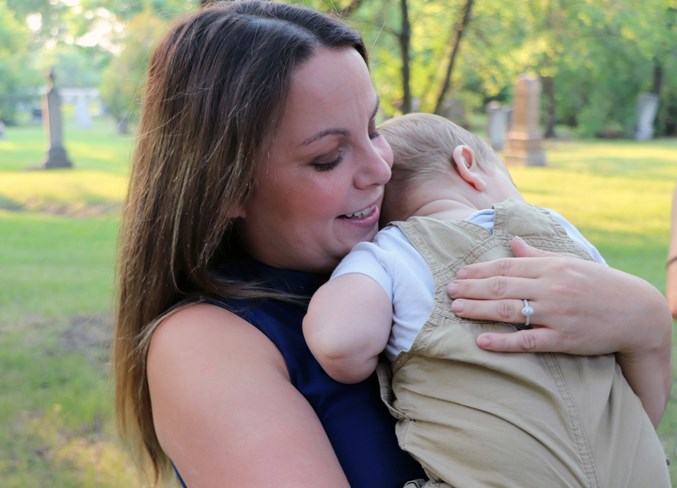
<point x="347" y="326"/>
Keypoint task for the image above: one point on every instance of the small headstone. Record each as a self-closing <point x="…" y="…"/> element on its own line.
<point x="647" y="107"/>
<point x="525" y="143"/>
<point x="3" y="130"/>
<point x="82" y="115"/>
<point x="56" y="155"/>
<point x="497" y="125"/>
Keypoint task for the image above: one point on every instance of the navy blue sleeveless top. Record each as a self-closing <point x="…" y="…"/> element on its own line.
<point x="360" y="429"/>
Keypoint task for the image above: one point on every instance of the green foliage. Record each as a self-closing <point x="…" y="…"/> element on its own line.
<point x="127" y="9"/>
<point x="17" y="81"/>
<point x="600" y="54"/>
<point x="74" y="65"/>
<point x="124" y="77"/>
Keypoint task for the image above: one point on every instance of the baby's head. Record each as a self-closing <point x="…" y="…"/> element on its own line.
<point x="423" y="145"/>
<point x="427" y="147"/>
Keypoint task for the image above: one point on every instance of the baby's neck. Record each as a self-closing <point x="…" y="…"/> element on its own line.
<point x="447" y="210"/>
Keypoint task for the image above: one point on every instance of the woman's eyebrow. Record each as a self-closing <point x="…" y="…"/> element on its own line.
<point x="324" y="133"/>
<point x="339" y="132"/>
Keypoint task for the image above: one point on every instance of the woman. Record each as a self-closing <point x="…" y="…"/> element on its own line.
<point x="258" y="166"/>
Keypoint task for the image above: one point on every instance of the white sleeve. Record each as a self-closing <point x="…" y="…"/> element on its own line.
<point x="393" y="262"/>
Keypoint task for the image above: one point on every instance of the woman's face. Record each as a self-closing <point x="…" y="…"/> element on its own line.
<point x="318" y="191"/>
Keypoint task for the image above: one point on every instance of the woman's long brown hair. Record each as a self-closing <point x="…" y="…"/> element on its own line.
<point x="216" y="88"/>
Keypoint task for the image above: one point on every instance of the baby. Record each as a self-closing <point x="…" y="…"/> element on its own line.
<point x="472" y="417"/>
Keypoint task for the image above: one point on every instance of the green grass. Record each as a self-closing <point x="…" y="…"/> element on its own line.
<point x="58" y="230"/>
<point x="56" y="265"/>
<point x="618" y="193"/>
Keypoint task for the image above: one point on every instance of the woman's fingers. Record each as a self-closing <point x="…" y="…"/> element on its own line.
<point x="532" y="340"/>
<point x="529" y="268"/>
<point x="500" y="310"/>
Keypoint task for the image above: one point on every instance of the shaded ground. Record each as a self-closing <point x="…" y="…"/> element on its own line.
<point x="90" y="336"/>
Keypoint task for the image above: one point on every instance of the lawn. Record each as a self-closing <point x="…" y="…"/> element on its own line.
<point x="58" y="230"/>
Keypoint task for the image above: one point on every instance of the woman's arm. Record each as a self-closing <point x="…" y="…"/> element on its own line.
<point x="671" y="287"/>
<point x="580" y="307"/>
<point x="347" y="326"/>
<point x="225" y="411"/>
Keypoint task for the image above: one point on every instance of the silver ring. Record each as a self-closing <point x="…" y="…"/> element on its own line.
<point x="527" y="311"/>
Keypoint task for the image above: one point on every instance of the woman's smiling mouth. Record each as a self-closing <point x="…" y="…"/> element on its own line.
<point x="361" y="214"/>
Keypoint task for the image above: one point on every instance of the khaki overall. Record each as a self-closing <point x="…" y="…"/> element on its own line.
<point x="474" y="418"/>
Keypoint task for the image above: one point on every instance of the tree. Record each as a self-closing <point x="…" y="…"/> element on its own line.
<point x="405" y="44"/>
<point x="17" y="81"/>
<point x="123" y="79"/>
<point x="460" y="29"/>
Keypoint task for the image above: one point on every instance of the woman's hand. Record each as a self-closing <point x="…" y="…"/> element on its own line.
<point x="580" y="307"/>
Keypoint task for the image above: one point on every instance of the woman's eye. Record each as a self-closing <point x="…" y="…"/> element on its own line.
<point x="324" y="164"/>
<point x="327" y="166"/>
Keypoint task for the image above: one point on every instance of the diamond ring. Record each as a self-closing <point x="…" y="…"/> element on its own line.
<point x="527" y="311"/>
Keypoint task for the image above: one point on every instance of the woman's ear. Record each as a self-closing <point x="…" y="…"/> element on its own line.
<point x="236" y="212"/>
<point x="466" y="167"/>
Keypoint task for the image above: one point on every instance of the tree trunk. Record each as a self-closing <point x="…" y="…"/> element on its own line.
<point x="460" y="28"/>
<point x="405" y="41"/>
<point x="658" y="76"/>
<point x="548" y="83"/>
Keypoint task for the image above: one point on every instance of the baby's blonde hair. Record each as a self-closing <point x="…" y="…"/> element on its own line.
<point x="423" y="146"/>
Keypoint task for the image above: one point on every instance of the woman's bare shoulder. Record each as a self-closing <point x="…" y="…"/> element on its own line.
<point x="219" y="389"/>
<point x="207" y="331"/>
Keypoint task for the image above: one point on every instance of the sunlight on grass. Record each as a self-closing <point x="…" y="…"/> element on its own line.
<point x="621" y="205"/>
<point x="64" y="191"/>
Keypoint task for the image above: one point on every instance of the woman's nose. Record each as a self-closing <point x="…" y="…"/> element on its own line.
<point x="375" y="165"/>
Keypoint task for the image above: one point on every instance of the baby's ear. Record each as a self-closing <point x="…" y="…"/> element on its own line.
<point x="466" y="167"/>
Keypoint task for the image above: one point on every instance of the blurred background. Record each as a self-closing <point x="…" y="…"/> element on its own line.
<point x="606" y="115"/>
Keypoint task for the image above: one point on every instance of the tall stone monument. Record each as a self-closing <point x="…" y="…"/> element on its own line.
<point x="51" y="115"/>
<point x="525" y="143"/>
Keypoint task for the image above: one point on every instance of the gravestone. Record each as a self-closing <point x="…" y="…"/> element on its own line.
<point x="497" y="125"/>
<point x="82" y="114"/>
<point x="3" y="129"/>
<point x="51" y="111"/>
<point x="647" y="106"/>
<point x="525" y="143"/>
